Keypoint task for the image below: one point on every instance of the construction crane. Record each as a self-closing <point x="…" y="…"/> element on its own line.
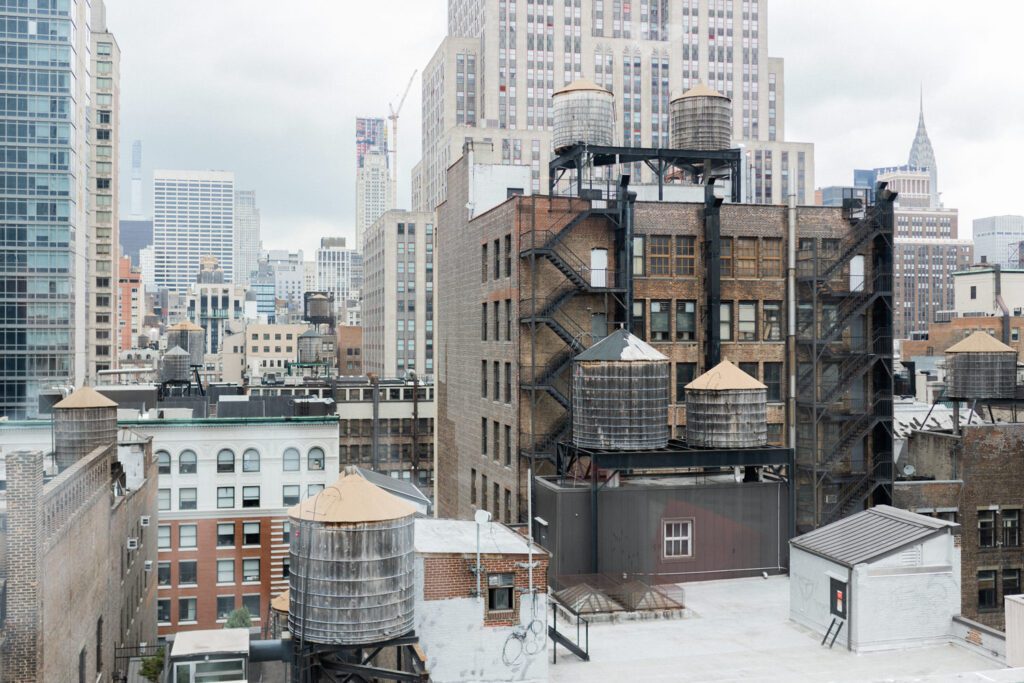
<point x="393" y="116"/>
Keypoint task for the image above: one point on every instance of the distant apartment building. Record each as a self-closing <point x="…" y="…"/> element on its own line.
<point x="134" y="236"/>
<point x="102" y="313"/>
<point x="147" y="266"/>
<point x="983" y="290"/>
<point x="493" y="75"/>
<point x="247" y="235"/>
<point x="398" y="294"/>
<point x="258" y="349"/>
<point x="44" y="261"/>
<point x="79" y="543"/>
<point x="350" y="350"/>
<point x="225" y="488"/>
<point x="373" y="175"/>
<point x="339" y="270"/>
<point x="131" y="305"/>
<point x="997" y="240"/>
<point x="289" y="273"/>
<point x="215" y="304"/>
<point x="193" y="217"/>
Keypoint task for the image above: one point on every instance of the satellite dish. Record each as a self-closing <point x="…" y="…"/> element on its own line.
<point x="482" y="516"/>
<point x="909" y="470"/>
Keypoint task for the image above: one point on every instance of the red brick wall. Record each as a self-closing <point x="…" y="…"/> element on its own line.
<point x="451" y="576"/>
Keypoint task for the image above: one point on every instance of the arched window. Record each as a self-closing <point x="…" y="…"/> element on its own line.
<point x="291" y="460"/>
<point x="163" y="461"/>
<point x="187" y="462"/>
<point x="251" y="460"/>
<point x="316" y="459"/>
<point x="226" y="460"/>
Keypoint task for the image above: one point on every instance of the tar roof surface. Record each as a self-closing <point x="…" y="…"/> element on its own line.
<point x="870" y="534"/>
<point x="459" y="536"/>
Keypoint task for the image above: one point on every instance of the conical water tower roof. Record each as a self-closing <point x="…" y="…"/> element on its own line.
<point x="176" y="351"/>
<point x="186" y="325"/>
<point x="352" y="500"/>
<point x="723" y="377"/>
<point x="620" y="345"/>
<point x="980" y="342"/>
<point x="581" y="84"/>
<point x="85" y="397"/>
<point x="699" y="90"/>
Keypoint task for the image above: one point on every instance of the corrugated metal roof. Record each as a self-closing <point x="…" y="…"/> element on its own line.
<point x="621" y="345"/>
<point x="870" y="534"/>
<point x="980" y="342"/>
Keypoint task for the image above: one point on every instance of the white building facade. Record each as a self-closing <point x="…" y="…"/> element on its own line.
<point x="193" y="216"/>
<point x="247" y="235"/>
<point x="997" y="240"/>
<point x="339" y="270"/>
<point x="374" y="191"/>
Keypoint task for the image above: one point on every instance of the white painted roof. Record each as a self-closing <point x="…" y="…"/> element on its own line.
<point x="212" y="641"/>
<point x="435" y="536"/>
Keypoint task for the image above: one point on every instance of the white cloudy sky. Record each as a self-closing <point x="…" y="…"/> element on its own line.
<point x="270" y="90"/>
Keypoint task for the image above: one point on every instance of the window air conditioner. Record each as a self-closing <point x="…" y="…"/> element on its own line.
<point x="149" y="565"/>
<point x="133" y="544"/>
<point x="144" y="521"/>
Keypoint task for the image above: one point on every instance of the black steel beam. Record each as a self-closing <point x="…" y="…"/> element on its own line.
<point x="713" y="275"/>
<point x="370" y="672"/>
<point x="643" y="460"/>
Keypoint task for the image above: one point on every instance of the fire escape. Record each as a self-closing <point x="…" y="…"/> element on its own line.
<point x="844" y="365"/>
<point x="547" y="305"/>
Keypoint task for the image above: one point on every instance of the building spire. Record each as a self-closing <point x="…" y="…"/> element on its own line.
<point x="922" y="155"/>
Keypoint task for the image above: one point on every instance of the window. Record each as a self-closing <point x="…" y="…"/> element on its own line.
<point x="186" y="609"/>
<point x="252" y="603"/>
<point x="163" y="611"/>
<point x="686" y="320"/>
<point x="251" y="569"/>
<point x="497" y="259"/>
<point x="660" y="321"/>
<point x="225" y="496"/>
<point x="773" y="321"/>
<point x="986" y="528"/>
<point x="685" y="373"/>
<point x="483" y="322"/>
<point x="500" y="592"/>
<point x="483" y="379"/>
<point x="508" y="255"/>
<point x="186" y="535"/>
<point x="286" y="532"/>
<point x="163" y="498"/>
<point x="250" y="496"/>
<point x="1011" y="528"/>
<point x="186" y="499"/>
<point x="225" y="534"/>
<point x="986" y="589"/>
<point x="472" y="485"/>
<point x="659" y="255"/>
<point x="746" y="257"/>
<point x="974" y="292"/>
<point x="725" y="323"/>
<point x="508" y="383"/>
<point x="163" y="459"/>
<point x="638" y="256"/>
<point x="771" y="257"/>
<point x="225" y="606"/>
<point x="290" y="494"/>
<point x="99" y="644"/>
<point x="251" y="533"/>
<point x="508" y="446"/>
<point x="483" y="262"/>
<point x="775" y="433"/>
<point x="163" y="573"/>
<point x="315" y="460"/>
<point x="251" y="460"/>
<point x="750" y="369"/>
<point x="508" y="320"/>
<point x="483" y="436"/>
<point x="747" y="327"/>
<point x="187" y="462"/>
<point x="639" y="324"/>
<point x="286" y="568"/>
<point x="314" y="489"/>
<point x="678" y="536"/>
<point x="187" y="573"/>
<point x="726" y="257"/>
<point x="497" y="380"/>
<point x="226" y="460"/>
<point x="686" y="256"/>
<point x="291" y="460"/>
<point x="163" y="537"/>
<point x="1011" y="582"/>
<point x="225" y="571"/>
<point x="773" y="380"/>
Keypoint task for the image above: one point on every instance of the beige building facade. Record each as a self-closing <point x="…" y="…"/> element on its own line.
<point x="258" y="349"/>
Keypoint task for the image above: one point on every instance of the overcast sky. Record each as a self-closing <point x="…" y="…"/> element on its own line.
<point x="270" y="90"/>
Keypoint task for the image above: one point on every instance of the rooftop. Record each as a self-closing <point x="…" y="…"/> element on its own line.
<point x="225" y="640"/>
<point x="739" y="630"/>
<point x="459" y="536"/>
<point x="868" y="535"/>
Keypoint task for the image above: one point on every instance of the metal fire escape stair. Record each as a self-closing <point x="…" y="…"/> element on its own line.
<point x="855" y="493"/>
<point x="864" y="230"/>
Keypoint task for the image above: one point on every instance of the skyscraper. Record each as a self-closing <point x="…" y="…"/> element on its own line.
<point x="373" y="168"/>
<point x="103" y="310"/>
<point x="193" y="216"/>
<point x="247" y="235"/>
<point x="136" y="231"/>
<point x="339" y="270"/>
<point x="493" y="76"/>
<point x="44" y="258"/>
<point x="997" y="240"/>
<point x="136" y="196"/>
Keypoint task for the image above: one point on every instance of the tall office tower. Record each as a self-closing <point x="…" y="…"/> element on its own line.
<point x="373" y="170"/>
<point x="398" y="294"/>
<point x="43" y="260"/>
<point x="922" y="156"/>
<point x="289" y="270"/>
<point x="102" y="288"/>
<point x="493" y="76"/>
<point x="997" y="240"/>
<point x="247" y="235"/>
<point x="336" y="271"/>
<point x="193" y="216"/>
<point x="136" y="197"/>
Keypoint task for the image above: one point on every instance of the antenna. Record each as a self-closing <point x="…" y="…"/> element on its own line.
<point x="393" y="116"/>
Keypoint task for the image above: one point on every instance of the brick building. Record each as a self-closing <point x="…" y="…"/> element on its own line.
<point x="942" y="335"/>
<point x="975" y="478"/>
<point x="350" y="350"/>
<point x="535" y="280"/>
<point x="79" y="547"/>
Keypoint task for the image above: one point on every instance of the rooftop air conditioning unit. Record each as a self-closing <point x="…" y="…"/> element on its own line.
<point x="133" y="543"/>
<point x="144" y="521"/>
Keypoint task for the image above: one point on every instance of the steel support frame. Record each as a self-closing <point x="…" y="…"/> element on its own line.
<point x="342" y="663"/>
